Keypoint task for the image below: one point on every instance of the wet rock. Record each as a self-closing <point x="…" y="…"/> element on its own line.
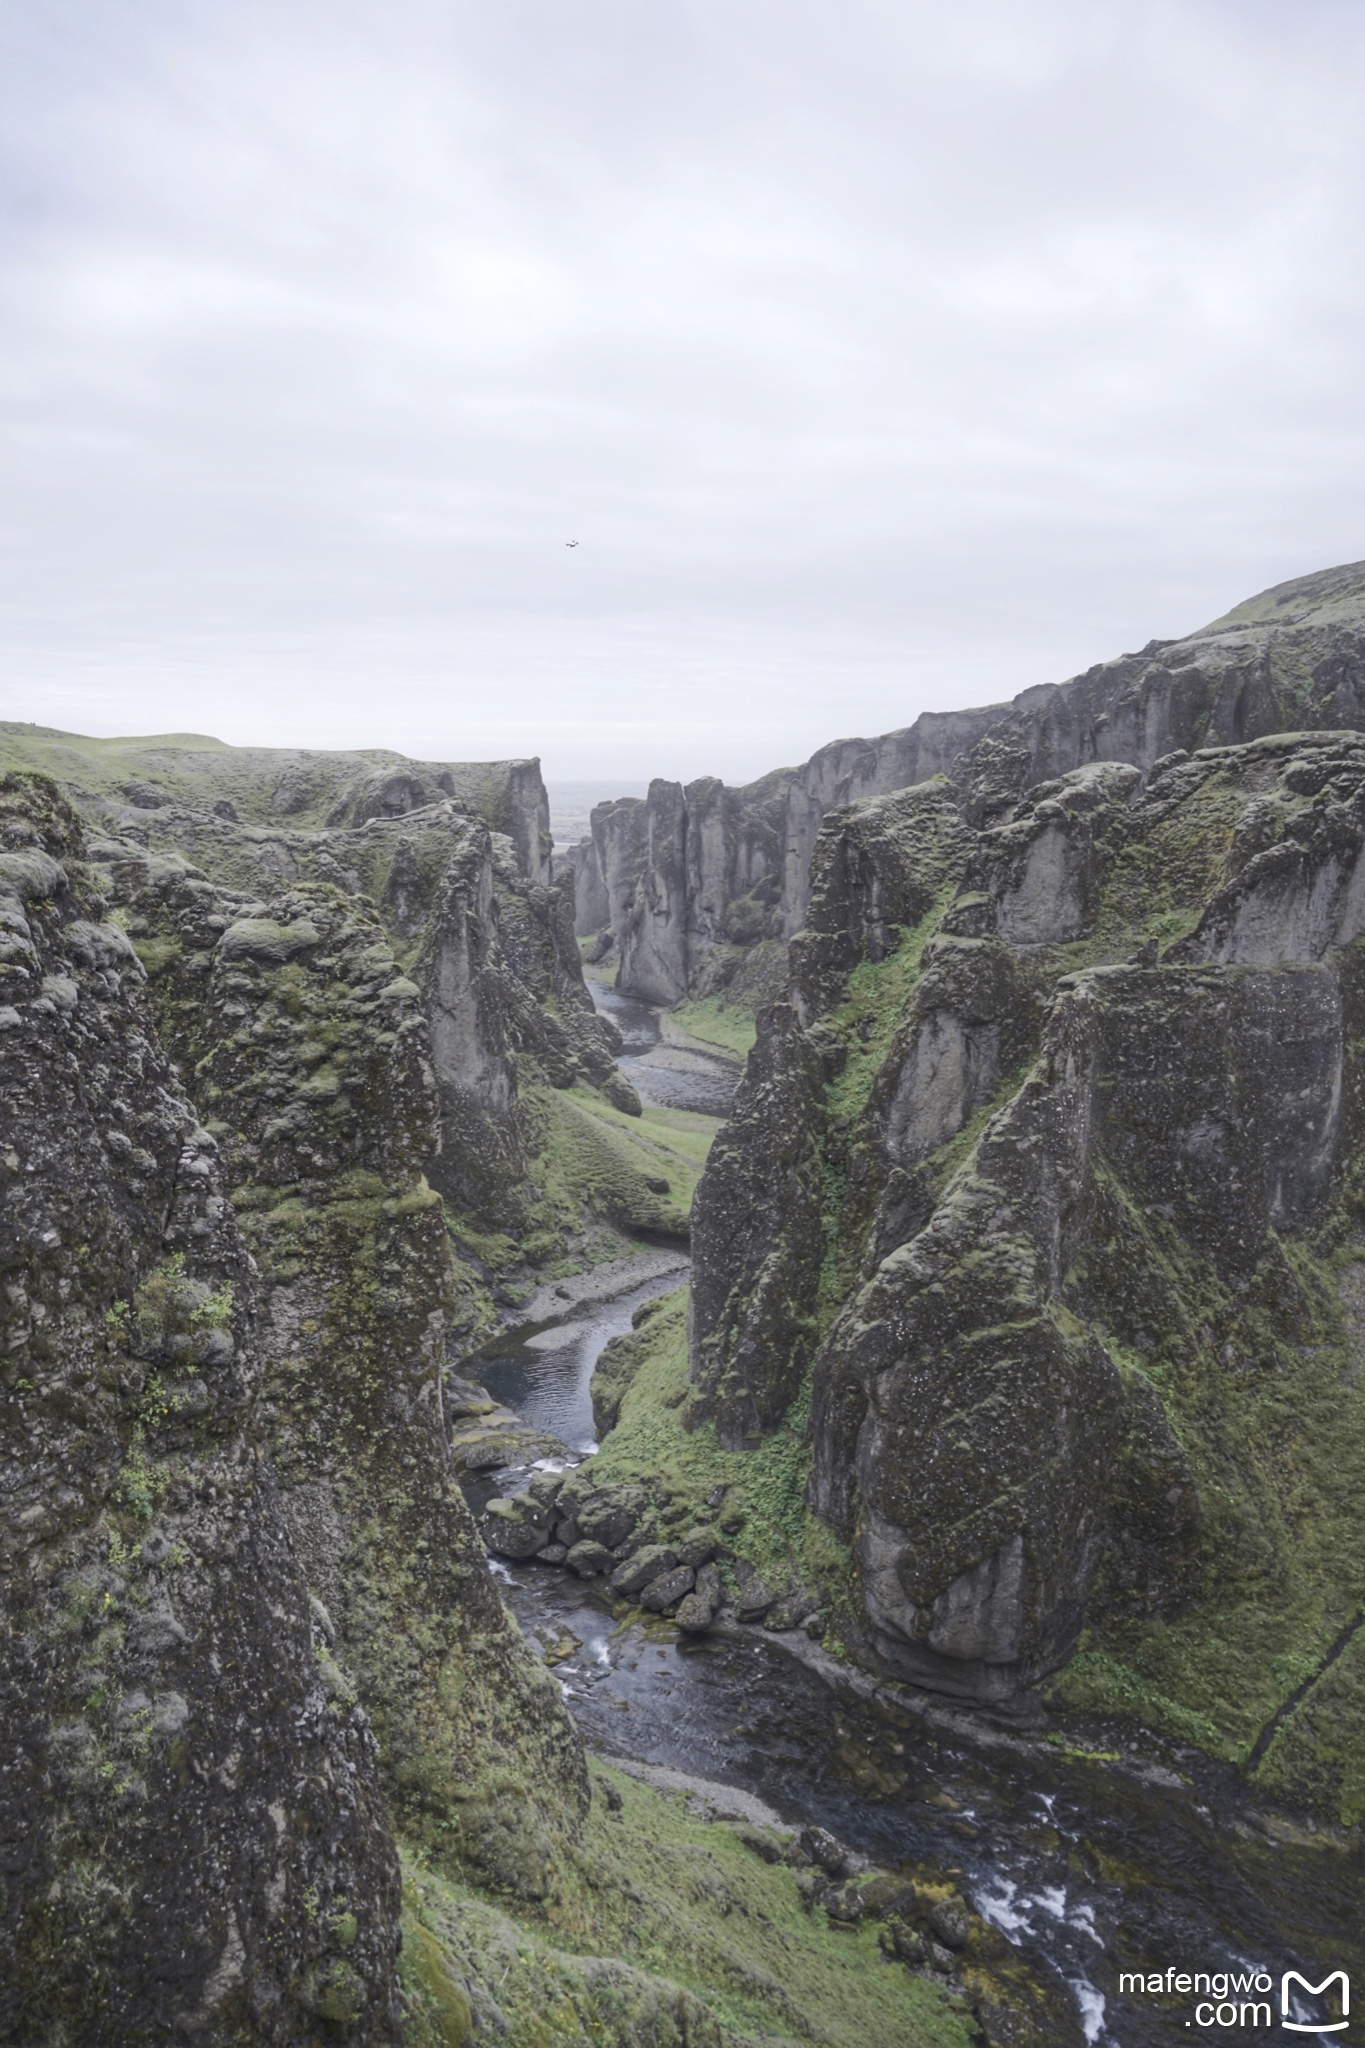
<point x="514" y="1528"/>
<point x="752" y="1596"/>
<point x="648" y="1564"/>
<point x="898" y="1938"/>
<point x="553" y="1553"/>
<point x="590" y="1560"/>
<point x="545" y="1487"/>
<point x="1003" y="2026"/>
<point x="791" y="1609"/>
<point x="824" y="1850"/>
<point x="608" y="1519"/>
<point x="846" y="1905"/>
<point x="702" y="1604"/>
<point x="664" y="1591"/>
<point x="952" y="1922"/>
<point x="464" y="1397"/>
<point x="694" y="1615"/>
<point x="698" y="1547"/>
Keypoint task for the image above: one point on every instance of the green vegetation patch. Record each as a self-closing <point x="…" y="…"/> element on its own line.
<point x="779" y="1536"/>
<point x="669" y="1931"/>
<point x="1264" y="1391"/>
<point x="595" y="1159"/>
<point x="717" y="1022"/>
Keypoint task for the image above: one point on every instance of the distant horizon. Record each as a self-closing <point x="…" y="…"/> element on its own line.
<point x="574" y="785"/>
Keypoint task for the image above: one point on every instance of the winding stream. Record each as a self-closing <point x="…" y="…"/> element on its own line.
<point x="1090" y="1868"/>
<point x="682" y="1074"/>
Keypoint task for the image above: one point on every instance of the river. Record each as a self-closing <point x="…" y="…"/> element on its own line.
<point x="1090" y="1868"/>
<point x="668" y="1071"/>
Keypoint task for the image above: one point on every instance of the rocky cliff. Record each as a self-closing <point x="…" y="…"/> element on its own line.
<point x="270" y="788"/>
<point x="195" y="1842"/>
<point x="677" y="885"/>
<point x="1041" y="1191"/>
<point x="253" y="1649"/>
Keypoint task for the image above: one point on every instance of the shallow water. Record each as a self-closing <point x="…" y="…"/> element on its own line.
<point x="665" y="1076"/>
<point x="544" y="1374"/>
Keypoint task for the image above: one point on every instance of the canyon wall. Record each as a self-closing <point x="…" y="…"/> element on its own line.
<point x="1040" y="1212"/>
<point x="196" y="1846"/>
<point x="263" y="1087"/>
<point x="675" y="885"/>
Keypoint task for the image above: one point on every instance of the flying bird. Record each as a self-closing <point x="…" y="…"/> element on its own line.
<point x="571" y="543"/>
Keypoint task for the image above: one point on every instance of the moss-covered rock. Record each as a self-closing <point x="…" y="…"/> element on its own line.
<point x="178" y="1859"/>
<point x="1084" y="1207"/>
<point x="317" y="1072"/>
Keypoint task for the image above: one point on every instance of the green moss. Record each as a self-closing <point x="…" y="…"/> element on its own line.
<point x="1260" y="1389"/>
<point x="592" y="1160"/>
<point x="779" y="1536"/>
<point x="715" y="1948"/>
<point x="717" y="1022"/>
<point x="872" y="1008"/>
<point x="157" y="954"/>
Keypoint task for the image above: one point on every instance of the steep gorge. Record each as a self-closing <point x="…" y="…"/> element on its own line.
<point x="1021" y="1364"/>
<point x="1040" y="1200"/>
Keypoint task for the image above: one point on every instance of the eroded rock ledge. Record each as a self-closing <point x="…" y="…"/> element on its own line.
<point x="1042" y="1190"/>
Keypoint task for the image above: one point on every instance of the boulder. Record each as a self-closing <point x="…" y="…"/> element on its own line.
<point x="513" y="1528"/>
<point x="698" y="1547"/>
<point x="663" y="1592"/>
<point x="752" y="1596"/>
<point x="792" y="1608"/>
<point x="826" y="1851"/>
<point x="608" y="1519"/>
<point x="648" y="1564"/>
<point x="589" y="1560"/>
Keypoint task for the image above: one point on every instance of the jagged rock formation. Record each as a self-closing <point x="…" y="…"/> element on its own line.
<point x="1044" y="1186"/>
<point x="262" y="787"/>
<point x="490" y="950"/>
<point x="235" y="1366"/>
<point x="252" y="1651"/>
<point x="312" y="1065"/>
<point x="195" y="1840"/>
<point x="687" y="878"/>
<point x="681" y="882"/>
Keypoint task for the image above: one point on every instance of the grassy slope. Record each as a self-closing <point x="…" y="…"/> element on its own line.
<point x="682" y="1901"/>
<point x="195" y="769"/>
<point x="597" y="1156"/>
<point x="716" y="1022"/>
<point x="192" y="768"/>
<point x="780" y="1537"/>
<point x="591" y="1171"/>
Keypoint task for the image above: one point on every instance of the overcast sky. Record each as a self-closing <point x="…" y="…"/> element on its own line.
<point x="878" y="356"/>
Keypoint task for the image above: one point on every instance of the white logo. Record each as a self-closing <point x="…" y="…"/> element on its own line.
<point x="1314" y="1991"/>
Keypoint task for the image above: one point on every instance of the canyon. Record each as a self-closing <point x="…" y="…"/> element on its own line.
<point x="1018" y="1380"/>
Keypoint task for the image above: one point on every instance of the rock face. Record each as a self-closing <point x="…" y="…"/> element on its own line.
<point x="759" y="1232"/>
<point x="1040" y="1188"/>
<point x="681" y="882"/>
<point x="488" y="952"/>
<point x="196" y="1840"/>
<point x="263" y="787"/>
<point x="317" y="1073"/>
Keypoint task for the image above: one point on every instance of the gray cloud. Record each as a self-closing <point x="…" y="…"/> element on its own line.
<point x="878" y="357"/>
